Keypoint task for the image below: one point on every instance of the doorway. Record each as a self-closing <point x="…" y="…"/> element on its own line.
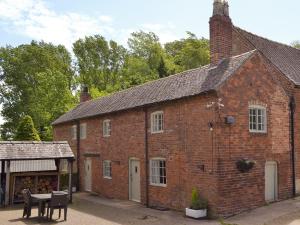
<point x="134" y="180"/>
<point x="88" y="174"/>
<point x="271" y="183"/>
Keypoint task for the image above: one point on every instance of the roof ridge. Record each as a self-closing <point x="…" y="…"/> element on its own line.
<point x="267" y="39"/>
<point x="148" y="82"/>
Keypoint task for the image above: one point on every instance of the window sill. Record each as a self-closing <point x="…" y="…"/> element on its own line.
<point x="158" y="185"/>
<point x="106" y="136"/>
<point x="257" y="132"/>
<point x="108" y="178"/>
<point x="157" y="132"/>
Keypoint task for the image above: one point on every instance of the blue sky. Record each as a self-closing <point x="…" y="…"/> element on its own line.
<point x="64" y="21"/>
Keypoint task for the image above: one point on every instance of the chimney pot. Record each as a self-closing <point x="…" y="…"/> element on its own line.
<point x="85" y="95"/>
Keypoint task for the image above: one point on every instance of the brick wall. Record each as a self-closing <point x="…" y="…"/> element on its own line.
<point x="238" y="191"/>
<point x="196" y="156"/>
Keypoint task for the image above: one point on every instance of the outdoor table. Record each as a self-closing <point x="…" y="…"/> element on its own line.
<point x="41" y="198"/>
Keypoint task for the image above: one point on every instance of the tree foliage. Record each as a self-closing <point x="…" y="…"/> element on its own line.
<point x="296" y="44"/>
<point x="26" y="130"/>
<point x="36" y="80"/>
<point x="43" y="80"/>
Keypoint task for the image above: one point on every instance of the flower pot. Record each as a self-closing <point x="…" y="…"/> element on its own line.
<point x="196" y="214"/>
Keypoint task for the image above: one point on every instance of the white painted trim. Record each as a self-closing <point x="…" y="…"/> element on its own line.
<point x="150" y="172"/>
<point x="129" y="180"/>
<point x="265" y="130"/>
<point x="104" y="128"/>
<point x="152" y="122"/>
<point x="103" y="169"/>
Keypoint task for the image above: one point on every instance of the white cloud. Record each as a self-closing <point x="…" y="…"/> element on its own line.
<point x="34" y="19"/>
<point x="165" y="32"/>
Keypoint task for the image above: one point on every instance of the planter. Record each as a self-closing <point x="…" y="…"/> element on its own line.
<point x="196" y="214"/>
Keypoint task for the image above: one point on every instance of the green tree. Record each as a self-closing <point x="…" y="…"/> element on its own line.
<point x="26" y="130"/>
<point x="99" y="62"/>
<point x="37" y="80"/>
<point x="188" y="53"/>
<point x="296" y="44"/>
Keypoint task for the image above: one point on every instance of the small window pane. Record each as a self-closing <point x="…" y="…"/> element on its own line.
<point x="257" y="120"/>
<point x="83" y="131"/>
<point x="106" y="128"/>
<point x="157" y="121"/>
<point x="158" y="172"/>
<point x="107" y="169"/>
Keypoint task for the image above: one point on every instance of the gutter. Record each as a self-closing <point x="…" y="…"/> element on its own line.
<point x="78" y="152"/>
<point x="292" y="106"/>
<point x="146" y="157"/>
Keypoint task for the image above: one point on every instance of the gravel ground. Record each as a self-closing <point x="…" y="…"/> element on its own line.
<point x="92" y="210"/>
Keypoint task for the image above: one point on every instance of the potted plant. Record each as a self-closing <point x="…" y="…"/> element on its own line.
<point x="198" y="208"/>
<point x="245" y="165"/>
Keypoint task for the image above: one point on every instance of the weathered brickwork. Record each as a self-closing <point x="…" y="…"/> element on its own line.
<point x="238" y="191"/>
<point x="196" y="156"/>
<point x="199" y="148"/>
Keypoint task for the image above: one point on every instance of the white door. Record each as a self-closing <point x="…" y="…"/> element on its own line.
<point x="88" y="174"/>
<point x="271" y="181"/>
<point x="134" y="180"/>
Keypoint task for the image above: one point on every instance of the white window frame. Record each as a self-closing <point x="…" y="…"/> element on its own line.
<point x="155" y="122"/>
<point x="106" y="128"/>
<point x="83" y="131"/>
<point x="158" y="176"/>
<point x="264" y="120"/>
<point x="74" y="132"/>
<point x="107" y="165"/>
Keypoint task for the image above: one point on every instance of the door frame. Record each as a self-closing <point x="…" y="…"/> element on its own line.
<point x="129" y="180"/>
<point x="91" y="181"/>
<point x="276" y="180"/>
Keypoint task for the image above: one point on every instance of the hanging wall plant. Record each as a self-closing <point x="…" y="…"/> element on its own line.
<point x="245" y="165"/>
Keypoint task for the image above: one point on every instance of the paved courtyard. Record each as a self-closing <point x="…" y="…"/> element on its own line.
<point x="92" y="210"/>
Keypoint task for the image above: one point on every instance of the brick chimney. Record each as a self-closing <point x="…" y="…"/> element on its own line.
<point x="85" y="95"/>
<point x="220" y="32"/>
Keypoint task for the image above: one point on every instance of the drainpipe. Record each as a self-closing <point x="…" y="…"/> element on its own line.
<point x="146" y="157"/>
<point x="292" y="125"/>
<point x="78" y="153"/>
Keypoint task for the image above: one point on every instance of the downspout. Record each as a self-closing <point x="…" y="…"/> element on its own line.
<point x="146" y="157"/>
<point x="292" y="125"/>
<point x="78" y="153"/>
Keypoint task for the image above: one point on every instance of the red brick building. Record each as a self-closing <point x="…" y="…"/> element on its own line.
<point x="155" y="142"/>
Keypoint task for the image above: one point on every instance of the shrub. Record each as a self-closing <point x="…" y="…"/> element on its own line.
<point x="26" y="130"/>
<point x="197" y="202"/>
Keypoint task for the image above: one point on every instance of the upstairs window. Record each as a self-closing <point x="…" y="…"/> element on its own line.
<point x="74" y="132"/>
<point x="83" y="131"/>
<point x="158" y="175"/>
<point x="106" y="128"/>
<point x="257" y="119"/>
<point x="157" y="122"/>
<point x="107" y="169"/>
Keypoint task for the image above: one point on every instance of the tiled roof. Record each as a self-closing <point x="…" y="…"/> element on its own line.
<point x="25" y="150"/>
<point x="284" y="57"/>
<point x="188" y="83"/>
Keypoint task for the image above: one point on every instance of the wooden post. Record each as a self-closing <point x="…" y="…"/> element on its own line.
<point x="70" y="169"/>
<point x="58" y="171"/>
<point x="1" y="190"/>
<point x="7" y="183"/>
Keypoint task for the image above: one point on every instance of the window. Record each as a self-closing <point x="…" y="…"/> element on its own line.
<point x="74" y="132"/>
<point x="83" y="131"/>
<point x="257" y="119"/>
<point x="158" y="172"/>
<point x="157" y="122"/>
<point x="106" y="128"/>
<point x="107" y="169"/>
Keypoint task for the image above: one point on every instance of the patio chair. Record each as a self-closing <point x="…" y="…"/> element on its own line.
<point x="28" y="203"/>
<point x="59" y="200"/>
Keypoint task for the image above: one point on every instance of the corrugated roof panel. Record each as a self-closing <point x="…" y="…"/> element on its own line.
<point x="31" y="166"/>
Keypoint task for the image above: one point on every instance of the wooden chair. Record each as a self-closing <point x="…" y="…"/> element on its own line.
<point x="28" y="203"/>
<point x="59" y="200"/>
